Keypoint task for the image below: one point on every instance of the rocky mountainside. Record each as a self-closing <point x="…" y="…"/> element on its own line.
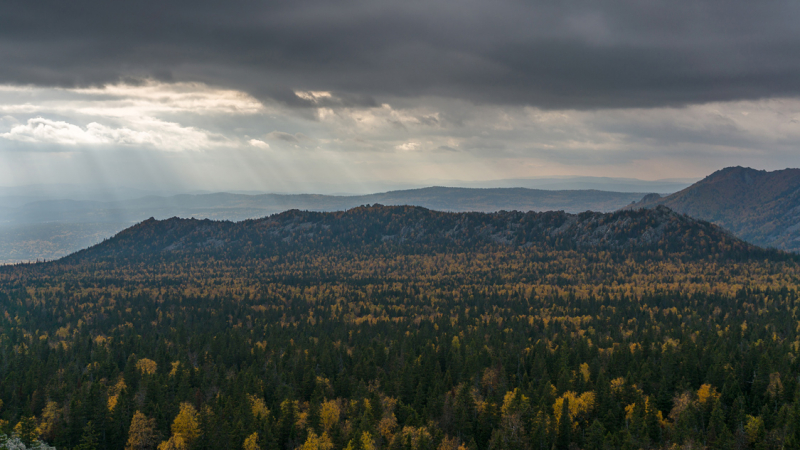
<point x="758" y="206"/>
<point x="418" y="229"/>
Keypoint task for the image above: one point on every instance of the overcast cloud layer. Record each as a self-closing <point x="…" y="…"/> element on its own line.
<point x="576" y="54"/>
<point x="286" y="95"/>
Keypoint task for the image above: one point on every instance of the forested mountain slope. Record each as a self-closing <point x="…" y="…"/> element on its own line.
<point x="758" y="206"/>
<point x="404" y="227"/>
<point x="57" y="227"/>
<point x="402" y="328"/>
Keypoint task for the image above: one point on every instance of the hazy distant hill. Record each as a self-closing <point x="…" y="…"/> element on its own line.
<point x="225" y="206"/>
<point x="758" y="206"/>
<point x="48" y="241"/>
<point x="395" y="227"/>
<point x="53" y="228"/>
<point x="667" y="186"/>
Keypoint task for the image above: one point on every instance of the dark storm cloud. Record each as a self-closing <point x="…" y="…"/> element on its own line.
<point x="550" y="54"/>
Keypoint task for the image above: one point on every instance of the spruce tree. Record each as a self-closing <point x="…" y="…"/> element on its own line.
<point x="564" y="428"/>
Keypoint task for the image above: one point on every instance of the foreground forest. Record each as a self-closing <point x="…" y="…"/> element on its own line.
<point x="403" y="328"/>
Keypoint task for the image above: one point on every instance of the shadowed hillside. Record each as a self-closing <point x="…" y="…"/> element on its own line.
<point x="55" y="228"/>
<point x="640" y="231"/>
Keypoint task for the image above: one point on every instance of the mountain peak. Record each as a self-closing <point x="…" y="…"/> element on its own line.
<point x="759" y="206"/>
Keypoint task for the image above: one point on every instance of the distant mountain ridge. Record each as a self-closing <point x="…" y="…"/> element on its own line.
<point x="758" y="206"/>
<point x="49" y="229"/>
<point x="655" y="230"/>
<point x="226" y="206"/>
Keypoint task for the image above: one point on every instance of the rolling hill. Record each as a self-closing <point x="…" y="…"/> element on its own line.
<point x="53" y="228"/>
<point x="406" y="227"/>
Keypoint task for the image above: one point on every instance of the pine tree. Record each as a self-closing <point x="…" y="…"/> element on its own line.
<point x="564" y="427"/>
<point x="719" y="436"/>
<point x="595" y="436"/>
<point x="89" y="438"/>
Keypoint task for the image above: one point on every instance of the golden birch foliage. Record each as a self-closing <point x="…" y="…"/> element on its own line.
<point x="415" y="435"/>
<point x="585" y="372"/>
<point x="329" y="414"/>
<point x="258" y="407"/>
<point x="51" y="416"/>
<point x="113" y="393"/>
<point x="187" y="423"/>
<point x="141" y="435"/>
<point x="578" y="405"/>
<point x="387" y="426"/>
<point x="707" y="394"/>
<point x="175" y="366"/>
<point x="367" y="443"/>
<point x="302" y="415"/>
<point x="176" y="442"/>
<point x="451" y="443"/>
<point x="146" y="366"/>
<point x="754" y="428"/>
<point x="513" y="402"/>
<point x="629" y="411"/>
<point x="251" y="443"/>
<point x="27" y="430"/>
<point x="617" y="384"/>
<point x="314" y="442"/>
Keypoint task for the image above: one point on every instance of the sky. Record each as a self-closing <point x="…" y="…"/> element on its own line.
<point x="352" y="96"/>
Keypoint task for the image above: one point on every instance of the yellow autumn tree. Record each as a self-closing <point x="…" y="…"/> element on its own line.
<point x="754" y="428"/>
<point x="513" y="402"/>
<point x="141" y="435"/>
<point x="146" y="366"/>
<point x="451" y="443"/>
<point x="387" y="425"/>
<point x="51" y="416"/>
<point x="707" y="395"/>
<point x="113" y="393"/>
<point x="258" y="407"/>
<point x="367" y="443"/>
<point x="314" y="442"/>
<point x="329" y="413"/>
<point x="185" y="429"/>
<point x="578" y="405"/>
<point x="414" y="434"/>
<point x="187" y="423"/>
<point x="175" y="442"/>
<point x="251" y="443"/>
<point x="585" y="372"/>
<point x="27" y="430"/>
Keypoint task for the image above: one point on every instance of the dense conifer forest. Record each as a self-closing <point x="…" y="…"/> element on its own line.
<point x="403" y="328"/>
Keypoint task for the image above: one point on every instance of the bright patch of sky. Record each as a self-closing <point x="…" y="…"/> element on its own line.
<point x="196" y="136"/>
